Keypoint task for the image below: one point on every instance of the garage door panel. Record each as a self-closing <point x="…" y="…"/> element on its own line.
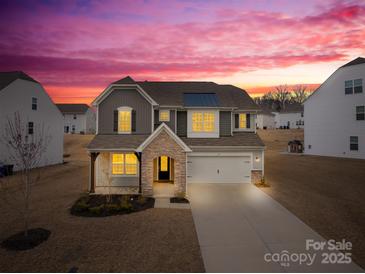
<point x="213" y="169"/>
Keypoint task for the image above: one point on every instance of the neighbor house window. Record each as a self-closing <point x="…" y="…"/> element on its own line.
<point x="242" y="120"/>
<point x="203" y="121"/>
<point x="34" y="103"/>
<point x="358" y="86"/>
<point x="360" y="113"/>
<point x="124" y="164"/>
<point x="353" y="86"/>
<point x="354" y="143"/>
<point x="124" y="120"/>
<point x="75" y="116"/>
<point x="30" y="128"/>
<point x="164" y="115"/>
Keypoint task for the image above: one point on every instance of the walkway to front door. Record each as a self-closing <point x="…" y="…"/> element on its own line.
<point x="237" y="224"/>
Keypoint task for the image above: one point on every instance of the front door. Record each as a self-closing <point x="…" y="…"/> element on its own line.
<point x="164" y="168"/>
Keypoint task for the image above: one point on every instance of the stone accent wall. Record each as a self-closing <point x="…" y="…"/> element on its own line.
<point x="117" y="190"/>
<point x="256" y="176"/>
<point x="163" y="144"/>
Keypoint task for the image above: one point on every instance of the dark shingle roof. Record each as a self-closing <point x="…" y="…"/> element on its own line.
<point x="7" y="77"/>
<point x="289" y="108"/>
<point x="172" y="93"/>
<point x="72" y="108"/>
<point x="110" y="142"/>
<point x="116" y="141"/>
<point x="357" y="61"/>
<point x="238" y="139"/>
<point x="125" y="80"/>
<point x="200" y="100"/>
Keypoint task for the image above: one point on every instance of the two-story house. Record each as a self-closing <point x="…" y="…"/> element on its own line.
<point x="335" y="114"/>
<point x="78" y="118"/>
<point x="175" y="134"/>
<point x="291" y="116"/>
<point x="21" y="94"/>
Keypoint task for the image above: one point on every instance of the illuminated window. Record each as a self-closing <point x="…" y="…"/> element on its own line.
<point x="243" y="120"/>
<point x="164" y="115"/>
<point x="124" y="164"/>
<point x="124" y="121"/>
<point x="164" y="163"/>
<point x="118" y="164"/>
<point x="203" y="121"/>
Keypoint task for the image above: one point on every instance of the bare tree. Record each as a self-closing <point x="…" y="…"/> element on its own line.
<point x="299" y="94"/>
<point x="26" y="147"/>
<point x="282" y="95"/>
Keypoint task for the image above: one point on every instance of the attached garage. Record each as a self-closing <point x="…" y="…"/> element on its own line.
<point x="219" y="168"/>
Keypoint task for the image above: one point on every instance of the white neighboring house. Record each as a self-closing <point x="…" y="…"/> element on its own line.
<point x="78" y="118"/>
<point x="291" y="117"/>
<point x="335" y="114"/>
<point x="265" y="119"/>
<point x="20" y="93"/>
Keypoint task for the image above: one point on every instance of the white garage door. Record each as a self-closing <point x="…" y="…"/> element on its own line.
<point x="219" y="169"/>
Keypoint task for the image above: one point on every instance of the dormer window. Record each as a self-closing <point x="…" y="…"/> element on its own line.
<point x="124" y="120"/>
<point x="164" y="115"/>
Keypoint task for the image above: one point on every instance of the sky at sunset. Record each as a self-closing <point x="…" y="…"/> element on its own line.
<point x="76" y="48"/>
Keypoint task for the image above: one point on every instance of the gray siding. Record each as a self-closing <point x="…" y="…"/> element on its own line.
<point x="182" y="123"/>
<point x="171" y="123"/>
<point x="225" y="123"/>
<point x="128" y="97"/>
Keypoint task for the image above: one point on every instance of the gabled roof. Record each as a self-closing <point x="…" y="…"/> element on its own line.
<point x="292" y="108"/>
<point x="357" y="61"/>
<point x="72" y="108"/>
<point x="125" y="80"/>
<point x="7" y="77"/>
<point x="116" y="142"/>
<point x="157" y="131"/>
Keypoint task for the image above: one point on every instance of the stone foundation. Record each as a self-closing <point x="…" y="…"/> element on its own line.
<point x="117" y="190"/>
<point x="256" y="176"/>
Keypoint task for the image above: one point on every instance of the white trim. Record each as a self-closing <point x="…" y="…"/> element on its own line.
<point x="203" y="134"/>
<point x="175" y="121"/>
<point x="111" y="87"/>
<point x="221" y="154"/>
<point x="158" y="130"/>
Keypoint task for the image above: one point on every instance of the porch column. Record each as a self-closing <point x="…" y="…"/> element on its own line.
<point x="139" y="157"/>
<point x="93" y="156"/>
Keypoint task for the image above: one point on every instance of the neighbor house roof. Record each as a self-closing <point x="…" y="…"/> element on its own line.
<point x="132" y="142"/>
<point x="7" y="77"/>
<point x="172" y="93"/>
<point x="73" y="108"/>
<point x="290" y="108"/>
<point x="266" y="110"/>
<point x="357" y="61"/>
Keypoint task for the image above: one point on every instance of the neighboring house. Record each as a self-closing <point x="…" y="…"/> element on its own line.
<point x="335" y="114"/>
<point x="174" y="132"/>
<point x="78" y="118"/>
<point x="265" y="118"/>
<point x="292" y="116"/>
<point x="20" y="93"/>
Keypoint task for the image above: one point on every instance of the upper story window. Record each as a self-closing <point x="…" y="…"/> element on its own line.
<point x="30" y="128"/>
<point x="34" y="103"/>
<point x="242" y="120"/>
<point x="353" y="86"/>
<point x="75" y="116"/>
<point x="203" y="121"/>
<point x="124" y="164"/>
<point x="164" y="115"/>
<point x="354" y="143"/>
<point x="360" y="113"/>
<point x="124" y="120"/>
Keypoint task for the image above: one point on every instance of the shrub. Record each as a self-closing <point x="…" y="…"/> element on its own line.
<point x="141" y="200"/>
<point x="125" y="203"/>
<point x="96" y="210"/>
<point x="81" y="205"/>
<point x="112" y="208"/>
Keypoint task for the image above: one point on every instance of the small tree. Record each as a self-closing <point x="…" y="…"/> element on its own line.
<point x="299" y="94"/>
<point x="26" y="147"/>
<point x="282" y="95"/>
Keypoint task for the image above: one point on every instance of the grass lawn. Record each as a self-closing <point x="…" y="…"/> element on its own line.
<point x="154" y="240"/>
<point x="326" y="193"/>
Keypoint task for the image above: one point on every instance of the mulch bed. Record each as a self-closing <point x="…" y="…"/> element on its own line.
<point x="179" y="200"/>
<point x="100" y="206"/>
<point x="19" y="242"/>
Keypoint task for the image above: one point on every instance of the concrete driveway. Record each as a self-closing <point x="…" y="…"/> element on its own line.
<point x="237" y="224"/>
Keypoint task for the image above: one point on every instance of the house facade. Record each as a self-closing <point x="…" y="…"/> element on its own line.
<point x="172" y="134"/>
<point x="335" y="114"/>
<point x="78" y="118"/>
<point x="292" y="117"/>
<point x="265" y="118"/>
<point x="21" y="94"/>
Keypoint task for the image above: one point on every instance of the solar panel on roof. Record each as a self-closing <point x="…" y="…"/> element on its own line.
<point x="200" y="100"/>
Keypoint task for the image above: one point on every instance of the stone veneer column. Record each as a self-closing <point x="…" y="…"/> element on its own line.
<point x="163" y="144"/>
